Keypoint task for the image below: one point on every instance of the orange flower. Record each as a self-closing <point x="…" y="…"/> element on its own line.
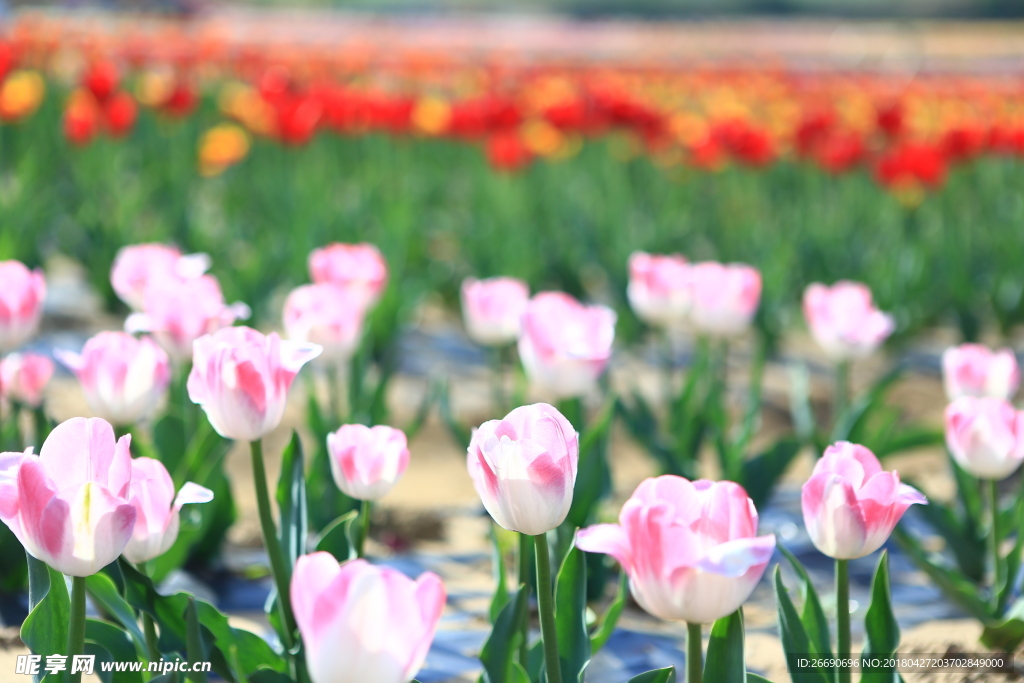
<point x="20" y="95"/>
<point x="220" y="147"/>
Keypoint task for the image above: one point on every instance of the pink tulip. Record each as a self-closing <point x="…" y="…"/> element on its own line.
<point x="565" y="345"/>
<point x="985" y="436"/>
<point x="690" y="549"/>
<point x="725" y="297"/>
<point x="361" y="623"/>
<point x="21" y="303"/>
<point x="975" y="370"/>
<point x="367" y="462"/>
<point x="524" y="467"/>
<point x="241" y="379"/>
<point x="850" y="505"/>
<point x="69" y="505"/>
<point x="123" y="377"/>
<point x="659" y="291"/>
<point x="157" y="509"/>
<point x="179" y="312"/>
<point x="137" y="265"/>
<point x="358" y="267"/>
<point x="844" y="320"/>
<point x="493" y="309"/>
<point x="329" y="315"/>
<point x="23" y="376"/>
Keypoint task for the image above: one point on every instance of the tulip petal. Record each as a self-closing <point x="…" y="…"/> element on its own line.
<point x="610" y="539"/>
<point x="191" y="492"/>
<point x="735" y="558"/>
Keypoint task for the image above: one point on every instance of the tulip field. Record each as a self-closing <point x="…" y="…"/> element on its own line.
<point x="724" y="352"/>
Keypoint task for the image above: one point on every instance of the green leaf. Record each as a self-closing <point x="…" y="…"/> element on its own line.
<point x="953" y="584"/>
<point x="43" y="631"/>
<point x="881" y="631"/>
<point x="106" y="596"/>
<point x="854" y="417"/>
<point x="518" y="674"/>
<point x="812" y="615"/>
<point x="657" y="676"/>
<point x="611" y="615"/>
<point x="458" y="431"/>
<point x="291" y="501"/>
<point x="497" y="653"/>
<point x="571" y="616"/>
<point x="755" y="678"/>
<point x="195" y="647"/>
<point x="501" y="595"/>
<point x="1008" y="634"/>
<point x="594" y="480"/>
<point x="1013" y="559"/>
<point x="725" y="661"/>
<point x="337" y="538"/>
<point x="118" y="645"/>
<point x="800" y="403"/>
<point x="760" y="474"/>
<point x="794" y="637"/>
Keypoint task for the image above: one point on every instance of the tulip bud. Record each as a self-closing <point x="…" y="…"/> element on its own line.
<point x="241" y="378"/>
<point x="362" y="623"/>
<point x="178" y="312"/>
<point x="69" y="505"/>
<point x="23" y="376"/>
<point x="137" y="265"/>
<point x="565" y="345"/>
<point x="493" y="309"/>
<point x="844" y="321"/>
<point x="329" y="315"/>
<point x="353" y="266"/>
<point x="524" y="468"/>
<point x="690" y="549"/>
<point x="123" y="377"/>
<point x="659" y="289"/>
<point x="974" y="370"/>
<point x="725" y="297"/>
<point x="985" y="436"/>
<point x="850" y="505"/>
<point x="21" y="304"/>
<point x="367" y="461"/>
<point x="157" y="509"/>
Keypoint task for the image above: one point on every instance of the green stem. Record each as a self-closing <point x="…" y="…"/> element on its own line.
<point x="993" y="545"/>
<point x="20" y="438"/>
<point x="843" y="618"/>
<point x="694" y="654"/>
<point x="499" y="395"/>
<point x="668" y="367"/>
<point x="148" y="627"/>
<point x="272" y="544"/>
<point x="76" y="630"/>
<point x="842" y="391"/>
<point x="365" y="513"/>
<point x="546" y="607"/>
<point x="525" y="560"/>
<point x="334" y="392"/>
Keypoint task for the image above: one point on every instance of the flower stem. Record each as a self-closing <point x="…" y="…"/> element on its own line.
<point x="148" y="627"/>
<point x="546" y="607"/>
<point x="993" y="545"/>
<point x="76" y="630"/>
<point x="694" y="654"/>
<point x="525" y="560"/>
<point x="334" y="392"/>
<point x="272" y="544"/>
<point x="365" y="513"/>
<point x="843" y="618"/>
<point x="841" y="399"/>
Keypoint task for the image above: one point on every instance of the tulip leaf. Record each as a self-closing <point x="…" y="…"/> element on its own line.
<point x="106" y="596"/>
<point x="611" y="615"/>
<point x="291" y="501"/>
<point x="795" y="642"/>
<point x="812" y="615"/>
<point x="1008" y="634"/>
<point x="881" y="631"/>
<point x="195" y="647"/>
<point x="1013" y="559"/>
<point x="725" y="661"/>
<point x="458" y="431"/>
<point x="518" y="674"/>
<point x="852" y="421"/>
<point x="756" y="678"/>
<point x="117" y="644"/>
<point x="594" y="479"/>
<point x="245" y="651"/>
<point x="760" y="474"/>
<point x="501" y="596"/>
<point x="571" y="616"/>
<point x="501" y="646"/>
<point x="43" y="630"/>
<point x="337" y="538"/>
<point x="953" y="584"/>
<point x="657" y="676"/>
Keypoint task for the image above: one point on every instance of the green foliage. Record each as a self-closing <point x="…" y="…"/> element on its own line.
<point x="574" y="649"/>
<point x="881" y="632"/>
<point x="726" y="661"/>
